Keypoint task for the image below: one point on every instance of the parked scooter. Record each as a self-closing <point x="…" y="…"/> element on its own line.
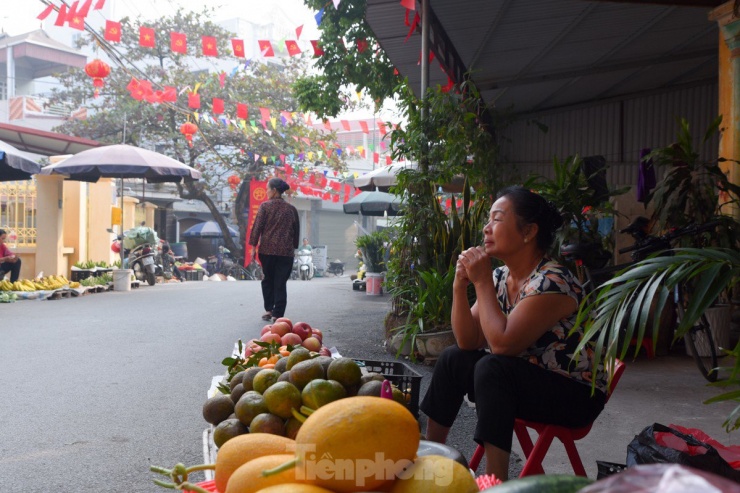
<point x="141" y="260"/>
<point x="303" y="267"/>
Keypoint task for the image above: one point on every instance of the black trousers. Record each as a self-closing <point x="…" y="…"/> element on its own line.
<point x="505" y="388"/>
<point x="274" y="290"/>
<point x="13" y="267"/>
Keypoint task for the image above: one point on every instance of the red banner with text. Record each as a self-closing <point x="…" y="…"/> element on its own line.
<point x="257" y="195"/>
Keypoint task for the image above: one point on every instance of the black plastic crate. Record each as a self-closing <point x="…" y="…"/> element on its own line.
<point x="401" y="375"/>
<point x="78" y="275"/>
<point x="193" y="275"/>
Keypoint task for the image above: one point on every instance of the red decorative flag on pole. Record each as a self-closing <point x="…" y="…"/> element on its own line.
<point x="388" y="160"/>
<point x="381" y="127"/>
<point x="345" y="124"/>
<point x="218" y="106"/>
<point x="75" y="20"/>
<point x="327" y="125"/>
<point x="85" y="9"/>
<point x="146" y="37"/>
<point x="408" y="4"/>
<point x="363" y="126"/>
<point x="265" y="47"/>
<point x="100" y="4"/>
<point x="194" y="100"/>
<point x="376" y="157"/>
<point x="61" y="16"/>
<point x="293" y="48"/>
<point x="210" y="46"/>
<point x="43" y="15"/>
<point x="169" y="94"/>
<point x="298" y="31"/>
<point x="242" y="111"/>
<point x="113" y="31"/>
<point x="265" y="112"/>
<point x="361" y="45"/>
<point x="238" y="46"/>
<point x="317" y="50"/>
<point x="178" y="43"/>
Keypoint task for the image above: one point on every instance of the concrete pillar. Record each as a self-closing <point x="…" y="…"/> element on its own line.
<point x="149" y="210"/>
<point x="129" y="212"/>
<point x="75" y="220"/>
<point x="49" y="225"/>
<point x="102" y="197"/>
<point x="729" y="87"/>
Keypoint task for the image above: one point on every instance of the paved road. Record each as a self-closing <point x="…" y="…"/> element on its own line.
<point x="96" y="389"/>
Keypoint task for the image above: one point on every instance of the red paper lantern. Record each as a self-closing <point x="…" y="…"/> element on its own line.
<point x="234" y="181"/>
<point x="188" y="130"/>
<point x="98" y="70"/>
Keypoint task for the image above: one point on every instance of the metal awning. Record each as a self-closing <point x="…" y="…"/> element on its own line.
<point x="535" y="55"/>
<point x="43" y="142"/>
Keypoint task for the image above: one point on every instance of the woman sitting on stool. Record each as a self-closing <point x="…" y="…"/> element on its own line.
<point x="9" y="262"/>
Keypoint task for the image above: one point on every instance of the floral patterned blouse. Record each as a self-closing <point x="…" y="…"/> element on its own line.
<point x="555" y="349"/>
<point x="276" y="228"/>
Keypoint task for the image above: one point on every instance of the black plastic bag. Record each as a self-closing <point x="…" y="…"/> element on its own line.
<point x="644" y="449"/>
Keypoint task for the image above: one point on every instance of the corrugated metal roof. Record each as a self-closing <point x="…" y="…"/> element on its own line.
<point x="535" y="55"/>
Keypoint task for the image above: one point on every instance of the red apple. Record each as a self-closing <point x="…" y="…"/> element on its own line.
<point x="248" y="352"/>
<point x="280" y="328"/>
<point x="302" y="329"/>
<point x="324" y="351"/>
<point x="270" y="337"/>
<point x="286" y="320"/>
<point x="317" y="334"/>
<point x="291" y="338"/>
<point x="312" y="344"/>
<point x="265" y="329"/>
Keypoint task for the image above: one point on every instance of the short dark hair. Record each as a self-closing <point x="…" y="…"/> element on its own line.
<point x="532" y="208"/>
<point x="278" y="184"/>
<point x="2" y="232"/>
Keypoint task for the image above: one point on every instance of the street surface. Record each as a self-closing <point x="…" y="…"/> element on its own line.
<point x="97" y="388"/>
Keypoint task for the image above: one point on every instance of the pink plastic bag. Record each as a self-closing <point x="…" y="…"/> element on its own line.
<point x="730" y="453"/>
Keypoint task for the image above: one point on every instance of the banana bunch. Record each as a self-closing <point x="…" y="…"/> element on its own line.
<point x="48" y="283"/>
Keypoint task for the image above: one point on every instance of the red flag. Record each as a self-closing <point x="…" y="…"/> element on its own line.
<point x="146" y="37"/>
<point x="345" y="124"/>
<point x="361" y="45"/>
<point x="61" y="16"/>
<point x="363" y="126"/>
<point x="266" y="47"/>
<point x="169" y="94"/>
<point x="376" y="157"/>
<point x="381" y="127"/>
<point x="113" y="31"/>
<point x="298" y="31"/>
<point x="194" y="100"/>
<point x="75" y="20"/>
<point x="242" y="111"/>
<point x="178" y="43"/>
<point x="388" y="160"/>
<point x="85" y="9"/>
<point x="327" y="125"/>
<point x="100" y="4"/>
<point x="317" y="50"/>
<point x="408" y="4"/>
<point x="43" y="15"/>
<point x="221" y="79"/>
<point x="210" y="46"/>
<point x="238" y="46"/>
<point x="218" y="106"/>
<point x="265" y="112"/>
<point x="293" y="48"/>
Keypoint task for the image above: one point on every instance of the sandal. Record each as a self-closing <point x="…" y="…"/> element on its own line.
<point x="267" y="316"/>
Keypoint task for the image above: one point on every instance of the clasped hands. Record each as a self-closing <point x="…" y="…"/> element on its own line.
<point x="473" y="265"/>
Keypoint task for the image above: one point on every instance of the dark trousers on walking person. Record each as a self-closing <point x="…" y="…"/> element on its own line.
<point x="14" y="268"/>
<point x="505" y="388"/>
<point x="274" y="285"/>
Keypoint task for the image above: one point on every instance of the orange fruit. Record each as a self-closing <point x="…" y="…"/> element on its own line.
<point x="243" y="448"/>
<point x="264" y="379"/>
<point x="281" y="398"/>
<point x="249" y="479"/>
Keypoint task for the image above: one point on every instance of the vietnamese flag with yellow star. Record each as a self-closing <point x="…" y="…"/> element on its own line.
<point x="210" y="47"/>
<point x="178" y="43"/>
<point x="238" y="46"/>
<point x="146" y="37"/>
<point x="266" y="47"/>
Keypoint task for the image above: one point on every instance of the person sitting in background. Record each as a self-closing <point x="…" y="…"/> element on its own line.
<point x="168" y="262"/>
<point x="9" y="262"/>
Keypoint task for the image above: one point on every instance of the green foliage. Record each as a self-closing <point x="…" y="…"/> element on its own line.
<point x="693" y="190"/>
<point x="579" y="204"/>
<point x="345" y="68"/>
<point x="626" y="300"/>
<point x="373" y="248"/>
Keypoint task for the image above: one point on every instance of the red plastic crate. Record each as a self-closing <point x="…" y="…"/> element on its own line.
<point x="206" y="485"/>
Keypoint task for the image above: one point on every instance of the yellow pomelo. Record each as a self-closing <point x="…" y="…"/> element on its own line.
<point x="249" y="478"/>
<point x="243" y="448"/>
<point x="357" y="443"/>
<point x="435" y="474"/>
<point x="294" y="488"/>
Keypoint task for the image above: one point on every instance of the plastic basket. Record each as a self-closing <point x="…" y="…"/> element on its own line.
<point x="206" y="485"/>
<point x="79" y="275"/>
<point x="193" y="275"/>
<point x="401" y="375"/>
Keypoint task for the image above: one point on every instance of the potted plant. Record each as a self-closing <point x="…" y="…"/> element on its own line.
<point x="373" y="248"/>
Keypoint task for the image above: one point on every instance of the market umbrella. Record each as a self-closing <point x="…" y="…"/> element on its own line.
<point x="15" y="164"/>
<point x="122" y="161"/>
<point x="207" y="229"/>
<point x="373" y="204"/>
<point x="384" y="178"/>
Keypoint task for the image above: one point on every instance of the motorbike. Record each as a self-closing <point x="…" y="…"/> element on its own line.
<point x="336" y="267"/>
<point x="141" y="261"/>
<point x="303" y="266"/>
